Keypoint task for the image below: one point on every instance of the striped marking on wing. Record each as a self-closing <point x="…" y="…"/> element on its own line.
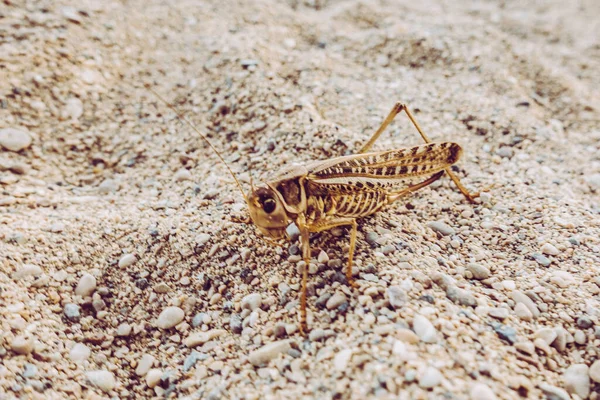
<point x="381" y="170"/>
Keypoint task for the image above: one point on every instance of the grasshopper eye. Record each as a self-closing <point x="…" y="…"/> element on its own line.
<point x="269" y="205"/>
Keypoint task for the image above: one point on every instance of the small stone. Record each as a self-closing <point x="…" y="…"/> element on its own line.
<point x="430" y="378"/>
<point x="144" y="364"/>
<point x="541" y="344"/>
<point x="595" y="371"/>
<point x="424" y="329"/>
<point x="407" y="336"/>
<point x="342" y="359"/>
<point x="153" y="377"/>
<point x="562" y="279"/>
<point x="505" y="152"/>
<point x="479" y="271"/>
<point x="541" y="259"/>
<point x="442" y="228"/>
<point x="263" y="355"/>
<point x="577" y="380"/>
<point x="183" y="175"/>
<point x="14" y="139"/>
<point x="461" y="296"/>
<point x="292" y="232"/>
<point x="86" y="285"/>
<point x="520" y="297"/>
<point x="335" y="301"/>
<point x="73" y="109"/>
<point x="526" y="347"/>
<point x="523" y="312"/>
<point x="500" y="313"/>
<point x="323" y="257"/>
<point x="236" y="323"/>
<point x="593" y="180"/>
<point x="550" y="250"/>
<point x="547" y="334"/>
<point x="71" y="311"/>
<point x="108" y="186"/>
<point x="560" y="343"/>
<point x="27" y="270"/>
<point x="252" y="301"/>
<point x="580" y="337"/>
<point x="29" y="371"/>
<point x="103" y="380"/>
<point x="584" y="322"/>
<point x="554" y="393"/>
<point x="316" y="334"/>
<point x="505" y="332"/>
<point x="397" y="296"/>
<point x="170" y="317"/>
<point x="22" y="344"/>
<point x="79" y="352"/>
<point x="371" y="238"/>
<point x="198" y="338"/>
<point x="123" y="330"/>
<point x="161" y="287"/>
<point x="126" y="260"/>
<point x="481" y="391"/>
<point x="192" y="359"/>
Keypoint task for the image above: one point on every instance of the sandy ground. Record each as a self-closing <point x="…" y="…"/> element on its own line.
<point x="122" y="273"/>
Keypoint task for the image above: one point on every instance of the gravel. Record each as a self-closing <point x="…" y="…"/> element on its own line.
<point x="263" y="355"/>
<point x="430" y="378"/>
<point x="86" y="285"/>
<point x="103" y="380"/>
<point x="577" y="380"/>
<point x="170" y="317"/>
<point x="15" y="139"/>
<point x="424" y="329"/>
<point x="72" y="312"/>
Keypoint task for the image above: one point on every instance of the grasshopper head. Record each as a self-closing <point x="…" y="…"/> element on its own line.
<point x="267" y="212"/>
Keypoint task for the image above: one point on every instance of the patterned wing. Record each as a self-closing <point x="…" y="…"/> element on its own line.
<point x="380" y="170"/>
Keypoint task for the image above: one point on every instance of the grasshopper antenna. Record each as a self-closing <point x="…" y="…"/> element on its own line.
<point x="181" y="117"/>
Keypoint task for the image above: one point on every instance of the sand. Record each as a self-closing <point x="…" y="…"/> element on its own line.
<point x="125" y="274"/>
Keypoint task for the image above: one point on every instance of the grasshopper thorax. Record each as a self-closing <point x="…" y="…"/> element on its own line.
<point x="267" y="212"/>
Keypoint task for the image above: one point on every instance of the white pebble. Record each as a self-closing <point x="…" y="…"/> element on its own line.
<point x="103" y="380"/>
<point x="441" y="227"/>
<point x="27" y="270"/>
<point x="523" y="312"/>
<point x="481" y="391"/>
<point x="342" y="359"/>
<point x="335" y="301"/>
<point x="14" y="139"/>
<point x="577" y="380"/>
<point x="550" y="250"/>
<point x="123" y="330"/>
<point x="153" y="377"/>
<point x="595" y="371"/>
<point x="127" y="260"/>
<point x="183" y="175"/>
<point x="252" y="301"/>
<point x="430" y="378"/>
<point x="73" y="109"/>
<point x="144" y="364"/>
<point x="170" y="317"/>
<point x="263" y="355"/>
<point x="198" y="338"/>
<point x="323" y="257"/>
<point x="79" y="352"/>
<point x="86" y="285"/>
<point x="424" y="329"/>
<point x="22" y="344"/>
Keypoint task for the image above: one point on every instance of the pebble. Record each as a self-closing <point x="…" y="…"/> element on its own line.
<point x="263" y="355"/>
<point x="126" y="260"/>
<point x="461" y="296"/>
<point x="554" y="393"/>
<point x="335" y="301"/>
<point x="170" y="317"/>
<point x="505" y="332"/>
<point x="442" y="228"/>
<point x="481" y="391"/>
<point x="323" y="257"/>
<point x="192" y="359"/>
<point x="153" y="377"/>
<point x="29" y="371"/>
<point x="500" y="313"/>
<point x="71" y="311"/>
<point x="580" y="337"/>
<point x="342" y="359"/>
<point x="479" y="271"/>
<point x="108" y="186"/>
<point x="123" y="330"/>
<point x="526" y="347"/>
<point x="397" y="296"/>
<point x="541" y="344"/>
<point x="562" y="279"/>
<point x="424" y="329"/>
<point x="144" y="364"/>
<point x="541" y="259"/>
<point x="547" y="334"/>
<point x="14" y="139"/>
<point x="79" y="352"/>
<point x="520" y="297"/>
<point x="577" y="380"/>
<point x="22" y="344"/>
<point x="198" y="338"/>
<point x="103" y="380"/>
<point x="407" y="336"/>
<point x="27" y="270"/>
<point x="523" y="312"/>
<point x="550" y="250"/>
<point x="236" y="323"/>
<point x="293" y="232"/>
<point x="430" y="378"/>
<point x="593" y="180"/>
<point x="595" y="371"/>
<point x="86" y="285"/>
<point x="73" y="108"/>
<point x="584" y="322"/>
<point x="183" y="175"/>
<point x="252" y="301"/>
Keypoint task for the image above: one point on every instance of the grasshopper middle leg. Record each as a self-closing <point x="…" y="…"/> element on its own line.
<point x="397" y="109"/>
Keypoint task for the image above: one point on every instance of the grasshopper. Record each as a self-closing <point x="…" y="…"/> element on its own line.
<point x="322" y="195"/>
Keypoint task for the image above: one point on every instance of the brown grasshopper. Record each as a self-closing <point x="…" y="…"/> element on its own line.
<point x="322" y="195"/>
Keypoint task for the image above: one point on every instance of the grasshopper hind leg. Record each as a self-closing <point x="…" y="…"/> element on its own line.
<point x="397" y="109"/>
